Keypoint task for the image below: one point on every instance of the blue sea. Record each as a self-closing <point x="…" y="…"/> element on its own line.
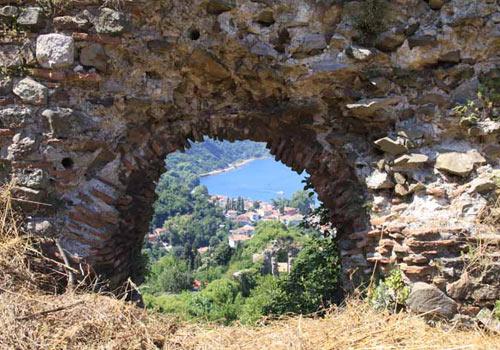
<point x="261" y="179"/>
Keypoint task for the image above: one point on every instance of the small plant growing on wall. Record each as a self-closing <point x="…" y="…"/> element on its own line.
<point x="391" y="293"/>
<point x="372" y="18"/>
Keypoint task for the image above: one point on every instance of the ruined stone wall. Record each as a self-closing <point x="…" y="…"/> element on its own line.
<point x="94" y="94"/>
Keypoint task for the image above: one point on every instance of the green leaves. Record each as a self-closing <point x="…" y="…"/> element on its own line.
<point x="169" y="275"/>
<point x="390" y="294"/>
<point x="313" y="281"/>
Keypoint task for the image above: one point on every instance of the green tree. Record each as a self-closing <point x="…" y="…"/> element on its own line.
<point x="169" y="275"/>
<point x="266" y="298"/>
<point x="222" y="254"/>
<point x="219" y="301"/>
<point x="313" y="282"/>
<point x="303" y="201"/>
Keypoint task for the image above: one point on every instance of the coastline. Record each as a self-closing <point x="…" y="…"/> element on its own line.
<point x="231" y="167"/>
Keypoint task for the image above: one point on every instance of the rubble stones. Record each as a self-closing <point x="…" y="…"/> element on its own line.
<point x="216" y="7"/>
<point x="410" y="161"/>
<point x="260" y="71"/>
<point x="9" y="11"/>
<point x="379" y="180"/>
<point x="31" y="91"/>
<point x="388" y="145"/>
<point x="55" y="50"/>
<point x="482" y="185"/>
<point x="307" y="44"/>
<point x="389" y="41"/>
<point x="368" y="107"/>
<point x="93" y="55"/>
<point x="359" y="53"/>
<point x="30" y="17"/>
<point x="488" y="320"/>
<point x="110" y="21"/>
<point x="460" y="164"/>
<point x="426" y="298"/>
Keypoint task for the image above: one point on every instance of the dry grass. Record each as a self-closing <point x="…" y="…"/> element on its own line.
<point x="32" y="318"/>
<point x="354" y="326"/>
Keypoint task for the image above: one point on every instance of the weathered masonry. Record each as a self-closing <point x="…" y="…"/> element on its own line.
<point x="94" y="94"/>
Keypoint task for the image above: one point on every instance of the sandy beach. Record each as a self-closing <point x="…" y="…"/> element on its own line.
<point x="231" y="167"/>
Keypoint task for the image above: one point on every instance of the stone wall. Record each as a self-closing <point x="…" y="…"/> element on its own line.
<point x="94" y="94"/>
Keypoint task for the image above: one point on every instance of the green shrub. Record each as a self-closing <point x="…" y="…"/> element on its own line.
<point x="209" y="273"/>
<point x="390" y="294"/>
<point x="496" y="310"/>
<point x="175" y="304"/>
<point x="371" y="19"/>
<point x="169" y="275"/>
<point x="264" y="300"/>
<point x="314" y="278"/>
<point x="219" y="301"/>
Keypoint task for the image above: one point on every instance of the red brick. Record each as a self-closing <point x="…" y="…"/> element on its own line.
<point x="7" y="132"/>
<point x="48" y="74"/>
<point x="97" y="38"/>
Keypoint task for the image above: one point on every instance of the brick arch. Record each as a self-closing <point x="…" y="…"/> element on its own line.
<point x="109" y="213"/>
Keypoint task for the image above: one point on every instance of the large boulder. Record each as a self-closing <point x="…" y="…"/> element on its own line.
<point x="428" y="299"/>
<point x="55" y="50"/>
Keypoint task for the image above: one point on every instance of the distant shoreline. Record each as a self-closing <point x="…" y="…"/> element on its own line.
<point x="231" y="167"/>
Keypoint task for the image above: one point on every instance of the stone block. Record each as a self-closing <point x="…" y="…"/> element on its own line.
<point x="307" y="44"/>
<point x="216" y="7"/>
<point x="55" y="50"/>
<point x="71" y="23"/>
<point x="390" y="41"/>
<point x="359" y="53"/>
<point x="64" y="122"/>
<point x="93" y="55"/>
<point x="110" y="21"/>
<point x="8" y="12"/>
<point x="388" y="145"/>
<point x="5" y="84"/>
<point x="16" y="116"/>
<point x="379" y="180"/>
<point x="31" y="91"/>
<point x="460" y="164"/>
<point x="31" y="18"/>
<point x="428" y="299"/>
<point x="10" y="56"/>
<point x="410" y="161"/>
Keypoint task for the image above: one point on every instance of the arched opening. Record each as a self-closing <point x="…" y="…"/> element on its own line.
<point x="228" y="214"/>
<point x="114" y="219"/>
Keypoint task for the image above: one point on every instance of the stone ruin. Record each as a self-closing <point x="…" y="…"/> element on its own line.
<point x="94" y="94"/>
